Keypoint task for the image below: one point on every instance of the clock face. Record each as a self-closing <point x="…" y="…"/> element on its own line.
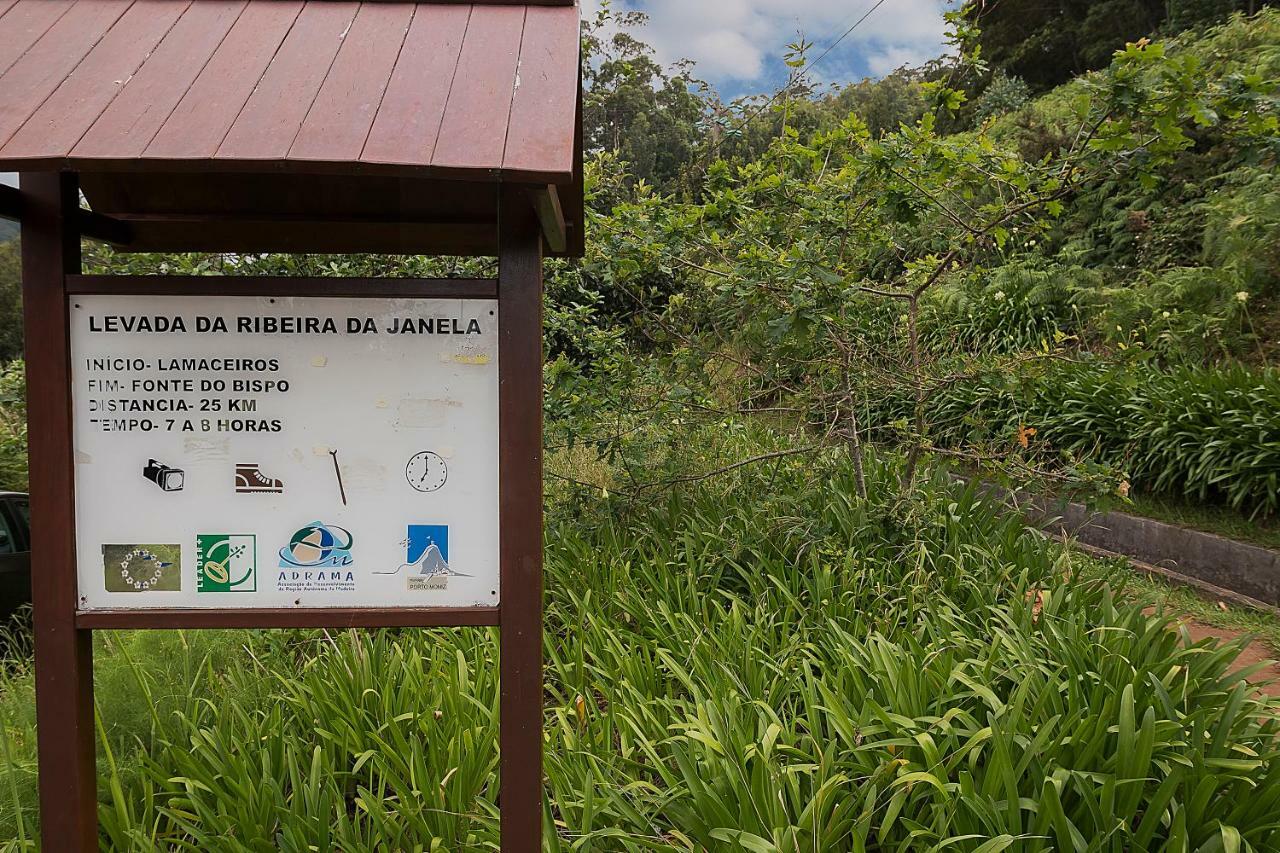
<point x="426" y="471"/>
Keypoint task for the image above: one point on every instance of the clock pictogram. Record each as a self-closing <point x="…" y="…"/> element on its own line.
<point x="426" y="471"/>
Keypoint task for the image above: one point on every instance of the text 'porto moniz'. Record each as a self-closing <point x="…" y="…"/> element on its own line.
<point x="159" y="324"/>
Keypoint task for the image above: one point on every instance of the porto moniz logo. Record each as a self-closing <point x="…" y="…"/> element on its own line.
<point x="428" y="549"/>
<point x="317" y="546"/>
<point x="427" y="554"/>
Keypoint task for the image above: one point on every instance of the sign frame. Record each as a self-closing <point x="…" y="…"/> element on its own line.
<point x="52" y="278"/>
<point x="408" y="365"/>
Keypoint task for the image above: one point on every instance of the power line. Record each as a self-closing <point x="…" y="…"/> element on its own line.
<point x="847" y="33"/>
<point x="795" y="78"/>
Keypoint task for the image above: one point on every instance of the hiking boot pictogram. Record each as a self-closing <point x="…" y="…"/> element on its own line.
<point x="250" y="480"/>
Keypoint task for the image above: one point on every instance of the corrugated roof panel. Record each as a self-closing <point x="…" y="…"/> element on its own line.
<point x="338" y="122"/>
<point x="451" y="89"/>
<point x="64" y="117"/>
<point x="407" y="125"/>
<point x="474" y="129"/>
<point x="49" y="62"/>
<point x="134" y="118"/>
<point x="538" y="134"/>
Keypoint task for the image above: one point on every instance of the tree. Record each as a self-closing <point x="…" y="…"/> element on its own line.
<point x="10" y="300"/>
<point x="633" y="108"/>
<point x="1047" y="42"/>
<point x="813" y="272"/>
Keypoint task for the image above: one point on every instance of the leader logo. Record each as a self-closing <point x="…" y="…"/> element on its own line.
<point x="226" y="562"/>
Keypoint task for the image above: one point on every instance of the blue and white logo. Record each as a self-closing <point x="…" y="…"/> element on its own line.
<point x="317" y="546"/>
<point x="426" y="557"/>
<point x="427" y="550"/>
<point x="317" y="559"/>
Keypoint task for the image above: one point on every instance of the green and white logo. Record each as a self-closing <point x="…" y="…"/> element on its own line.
<point x="226" y="562"/>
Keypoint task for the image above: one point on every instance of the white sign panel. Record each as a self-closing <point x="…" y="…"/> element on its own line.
<point x="255" y="452"/>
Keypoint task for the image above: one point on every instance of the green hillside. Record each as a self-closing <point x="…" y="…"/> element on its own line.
<point x="1081" y="290"/>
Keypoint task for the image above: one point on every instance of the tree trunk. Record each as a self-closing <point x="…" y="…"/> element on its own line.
<point x="917" y="379"/>
<point x="855" y="434"/>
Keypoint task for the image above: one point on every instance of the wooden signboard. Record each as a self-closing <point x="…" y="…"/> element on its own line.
<point x="221" y="452"/>
<point x="272" y="453"/>
<point x="281" y="452"/>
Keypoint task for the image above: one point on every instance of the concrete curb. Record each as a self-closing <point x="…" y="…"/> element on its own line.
<point x="1203" y="589"/>
<point x="1211" y="560"/>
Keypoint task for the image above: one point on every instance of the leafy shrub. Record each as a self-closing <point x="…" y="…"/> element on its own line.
<point x="1004" y="94"/>
<point x="1019" y="306"/>
<point x="1242" y="232"/>
<point x="13" y="426"/>
<point x="1193" y="315"/>
<point x="1209" y="433"/>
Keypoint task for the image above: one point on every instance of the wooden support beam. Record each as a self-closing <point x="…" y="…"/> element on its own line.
<point x="301" y="236"/>
<point x="336" y="618"/>
<point x="92" y="225"/>
<point x="230" y="285"/>
<point x="551" y="216"/>
<point x="520" y="508"/>
<point x="107" y="229"/>
<point x="64" y="653"/>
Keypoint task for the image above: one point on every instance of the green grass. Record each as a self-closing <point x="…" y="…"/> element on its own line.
<point x="759" y="663"/>
<point x="1264" y="532"/>
<point x="1206" y="435"/>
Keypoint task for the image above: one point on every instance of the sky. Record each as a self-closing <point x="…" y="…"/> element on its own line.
<point x="738" y="45"/>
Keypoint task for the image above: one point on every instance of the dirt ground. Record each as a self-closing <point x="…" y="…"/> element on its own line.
<point x="1267" y="679"/>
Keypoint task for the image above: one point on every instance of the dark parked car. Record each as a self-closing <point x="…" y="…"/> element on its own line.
<point x="15" y="552"/>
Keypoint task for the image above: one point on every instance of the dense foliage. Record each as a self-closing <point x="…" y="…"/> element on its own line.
<point x="1206" y="434"/>
<point x="1048" y="43"/>
<point x="10" y="299"/>
<point x="1128" y="220"/>
<point x="763" y="663"/>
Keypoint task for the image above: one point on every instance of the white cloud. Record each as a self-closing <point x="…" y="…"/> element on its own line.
<point x="742" y="40"/>
<point x="884" y="60"/>
<point x="10" y="178"/>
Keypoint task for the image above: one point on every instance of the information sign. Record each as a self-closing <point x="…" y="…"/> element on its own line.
<point x="306" y="452"/>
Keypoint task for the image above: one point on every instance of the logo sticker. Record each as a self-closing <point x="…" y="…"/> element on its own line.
<point x="142" y="568"/>
<point x="226" y="562"/>
<point x="251" y="481"/>
<point x="426" y="557"/>
<point x="317" y="559"/>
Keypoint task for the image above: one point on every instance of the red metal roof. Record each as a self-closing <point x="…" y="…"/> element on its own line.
<point x="321" y="86"/>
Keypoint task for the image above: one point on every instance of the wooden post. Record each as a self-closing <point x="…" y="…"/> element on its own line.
<point x="520" y="502"/>
<point x="64" y="655"/>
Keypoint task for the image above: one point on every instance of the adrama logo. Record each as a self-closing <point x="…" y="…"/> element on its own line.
<point x="317" y="559"/>
<point x="317" y="546"/>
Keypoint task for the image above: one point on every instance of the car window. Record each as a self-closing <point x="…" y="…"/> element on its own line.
<point x="8" y="541"/>
<point x="22" y="512"/>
